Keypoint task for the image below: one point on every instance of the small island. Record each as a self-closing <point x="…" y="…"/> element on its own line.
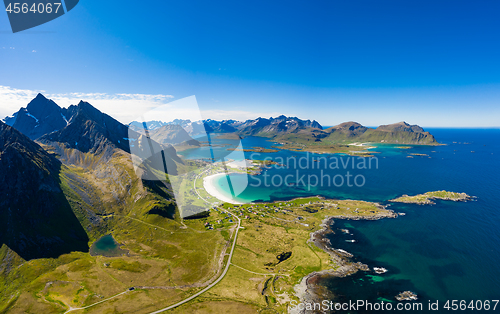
<point x="426" y="198"/>
<point x="254" y="149"/>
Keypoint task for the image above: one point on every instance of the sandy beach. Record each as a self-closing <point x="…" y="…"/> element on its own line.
<point x="209" y="183"/>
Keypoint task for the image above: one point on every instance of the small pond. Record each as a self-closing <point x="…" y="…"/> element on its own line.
<point x="106" y="246"/>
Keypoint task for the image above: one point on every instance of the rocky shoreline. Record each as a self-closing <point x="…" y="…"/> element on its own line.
<point x="308" y="290"/>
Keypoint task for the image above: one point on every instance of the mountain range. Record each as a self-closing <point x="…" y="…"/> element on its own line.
<point x="350" y="132"/>
<point x="290" y="130"/>
<point x="79" y="170"/>
<point x="257" y="127"/>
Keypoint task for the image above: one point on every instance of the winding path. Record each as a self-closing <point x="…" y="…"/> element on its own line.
<point x="86" y="307"/>
<point x="235" y="238"/>
<point x="228" y="260"/>
<point x="215" y="282"/>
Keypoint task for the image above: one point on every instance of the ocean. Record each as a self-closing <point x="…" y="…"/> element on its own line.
<point x="446" y="251"/>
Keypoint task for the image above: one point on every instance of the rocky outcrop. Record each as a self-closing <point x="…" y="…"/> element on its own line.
<point x="407" y="296"/>
<point x="173" y="134"/>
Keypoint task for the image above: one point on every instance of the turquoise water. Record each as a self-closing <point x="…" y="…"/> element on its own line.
<point x="106" y="246"/>
<point x="222" y="147"/>
<point x="445" y="251"/>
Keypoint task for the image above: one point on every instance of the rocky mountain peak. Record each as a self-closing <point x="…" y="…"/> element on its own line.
<point x="91" y="130"/>
<point x="40" y="117"/>
<point x="41" y="107"/>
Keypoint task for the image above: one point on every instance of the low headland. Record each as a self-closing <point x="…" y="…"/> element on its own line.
<point x="426" y="198"/>
<point x="307" y="291"/>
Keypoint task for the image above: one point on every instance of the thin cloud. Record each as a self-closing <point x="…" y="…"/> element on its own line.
<point x="125" y="107"/>
<point x="11" y="99"/>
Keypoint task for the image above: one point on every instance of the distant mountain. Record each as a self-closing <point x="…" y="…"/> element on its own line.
<point x="400" y="133"/>
<point x="181" y="122"/>
<point x="350" y="132"/>
<point x="294" y="130"/>
<point x="35" y="218"/>
<point x="173" y="134"/>
<point x="258" y="127"/>
<point x="213" y="126"/>
<point x="150" y="125"/>
<point x="273" y="127"/>
<point x="192" y="128"/>
<point x="41" y="116"/>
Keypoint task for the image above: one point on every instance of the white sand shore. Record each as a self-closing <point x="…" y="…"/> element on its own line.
<point x="210" y="186"/>
<point x="364" y="145"/>
<point x="241" y="164"/>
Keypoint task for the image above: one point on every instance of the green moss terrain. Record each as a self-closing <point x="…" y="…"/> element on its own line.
<point x="274" y="251"/>
<point x="427" y="198"/>
<point x="398" y="137"/>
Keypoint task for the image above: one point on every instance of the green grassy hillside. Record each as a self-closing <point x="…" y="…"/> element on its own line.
<point x="109" y="198"/>
<point x="397" y="137"/>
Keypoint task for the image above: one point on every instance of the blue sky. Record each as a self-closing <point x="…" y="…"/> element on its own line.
<point x="432" y="63"/>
